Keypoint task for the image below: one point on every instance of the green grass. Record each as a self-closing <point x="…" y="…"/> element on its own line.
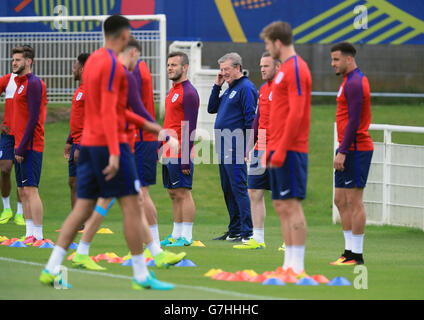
<point x="392" y="254"/>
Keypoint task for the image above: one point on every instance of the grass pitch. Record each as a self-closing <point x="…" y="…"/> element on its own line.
<point x="392" y="254"/>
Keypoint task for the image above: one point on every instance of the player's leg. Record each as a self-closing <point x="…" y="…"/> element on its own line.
<point x="341" y="202"/>
<point x="238" y="185"/>
<point x="358" y="220"/>
<point x="7" y="143"/>
<point x="293" y="225"/>
<point x="81" y="212"/>
<point x="184" y="212"/>
<point x="151" y="214"/>
<point x="33" y="204"/>
<point x="82" y="259"/>
<point x="72" y="180"/>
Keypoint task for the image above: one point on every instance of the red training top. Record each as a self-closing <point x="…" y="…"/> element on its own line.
<point x="290" y="109"/>
<point x="77" y="114"/>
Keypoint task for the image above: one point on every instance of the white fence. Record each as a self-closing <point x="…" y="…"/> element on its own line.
<point x="55" y="52"/>
<point x="394" y="193"/>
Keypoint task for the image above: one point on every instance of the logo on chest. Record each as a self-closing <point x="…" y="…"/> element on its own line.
<point x="175" y="97"/>
<point x="340" y="91"/>
<point x="232" y="94"/>
<point x="79" y="96"/>
<point x="279" y="77"/>
<point x="21" y="88"/>
<point x="270" y="96"/>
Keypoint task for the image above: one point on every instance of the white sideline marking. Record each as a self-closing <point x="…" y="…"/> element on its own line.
<point x="117" y="276"/>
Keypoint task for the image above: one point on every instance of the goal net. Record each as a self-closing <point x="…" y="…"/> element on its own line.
<point x="56" y="52"/>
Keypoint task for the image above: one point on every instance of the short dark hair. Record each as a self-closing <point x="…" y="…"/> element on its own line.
<point x="182" y="55"/>
<point x="82" y="58"/>
<point x="114" y="25"/>
<point x="134" y="43"/>
<point x="278" y="30"/>
<point x="26" y="50"/>
<point x="346" y="48"/>
<point x="267" y="54"/>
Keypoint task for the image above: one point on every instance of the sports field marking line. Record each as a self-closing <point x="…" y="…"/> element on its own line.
<point x="117" y="276"/>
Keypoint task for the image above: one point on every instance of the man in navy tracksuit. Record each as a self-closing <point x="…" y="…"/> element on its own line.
<point x="235" y="113"/>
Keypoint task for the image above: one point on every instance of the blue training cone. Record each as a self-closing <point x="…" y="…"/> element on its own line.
<point x="273" y="282"/>
<point x="18" y="244"/>
<point x="73" y="246"/>
<point x="339" y="281"/>
<point x="127" y="263"/>
<point x="47" y="245"/>
<point x="151" y="263"/>
<point x="307" y="282"/>
<point x="185" y="263"/>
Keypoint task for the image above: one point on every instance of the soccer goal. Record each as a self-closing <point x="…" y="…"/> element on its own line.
<point x="394" y="193"/>
<point x="56" y="52"/>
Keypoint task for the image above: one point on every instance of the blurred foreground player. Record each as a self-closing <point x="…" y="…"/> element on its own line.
<point x="106" y="167"/>
<point x="288" y="146"/>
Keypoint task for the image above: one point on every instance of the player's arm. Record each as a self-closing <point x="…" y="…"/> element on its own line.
<point x="134" y="99"/>
<point x="34" y="92"/>
<point x="296" y="100"/>
<point x="354" y="95"/>
<point x="214" y="99"/>
<point x="147" y="89"/>
<point x="3" y="84"/>
<point x="253" y="137"/>
<point x="68" y="147"/>
<point x="191" y="110"/>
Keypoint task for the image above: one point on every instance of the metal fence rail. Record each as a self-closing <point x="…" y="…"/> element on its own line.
<point x="55" y="52"/>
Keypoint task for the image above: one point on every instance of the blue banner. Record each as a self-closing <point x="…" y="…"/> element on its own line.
<point x="326" y="21"/>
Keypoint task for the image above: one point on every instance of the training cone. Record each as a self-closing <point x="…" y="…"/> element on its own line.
<point x="73" y="245"/>
<point x="102" y="256"/>
<point x="18" y="244"/>
<point x="307" y="282"/>
<point x="104" y="231"/>
<point x="339" y="281"/>
<point x="8" y="242"/>
<point x="127" y="263"/>
<point x="3" y="238"/>
<point x="116" y="260"/>
<point x="320" y="278"/>
<point x="273" y="282"/>
<point x="151" y="263"/>
<point x="250" y="272"/>
<point x="185" y="263"/>
<point x="71" y="256"/>
<point x="38" y="243"/>
<point x="258" y="278"/>
<point x="198" y="244"/>
<point x="112" y="255"/>
<point x="212" y="272"/>
<point x="222" y="275"/>
<point x="288" y="278"/>
<point x="49" y="241"/>
<point x="47" y="245"/>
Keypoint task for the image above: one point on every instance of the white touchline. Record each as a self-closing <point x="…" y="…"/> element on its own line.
<point x="118" y="276"/>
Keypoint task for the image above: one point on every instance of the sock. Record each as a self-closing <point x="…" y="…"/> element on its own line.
<point x="83" y="247"/>
<point x="357" y="243"/>
<point x="154" y="248"/>
<point x="287" y="258"/>
<point x="55" y="260"/>
<point x="154" y="229"/>
<point x="29" y="224"/>
<point x="348" y="239"/>
<point x="6" y="202"/>
<point x="187" y="231"/>
<point x="176" y="232"/>
<point x="38" y="232"/>
<point x="19" y="209"/>
<point x="258" y="235"/>
<point x="139" y="267"/>
<point x="298" y="258"/>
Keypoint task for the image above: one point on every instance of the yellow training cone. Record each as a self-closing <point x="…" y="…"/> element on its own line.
<point x="105" y="231"/>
